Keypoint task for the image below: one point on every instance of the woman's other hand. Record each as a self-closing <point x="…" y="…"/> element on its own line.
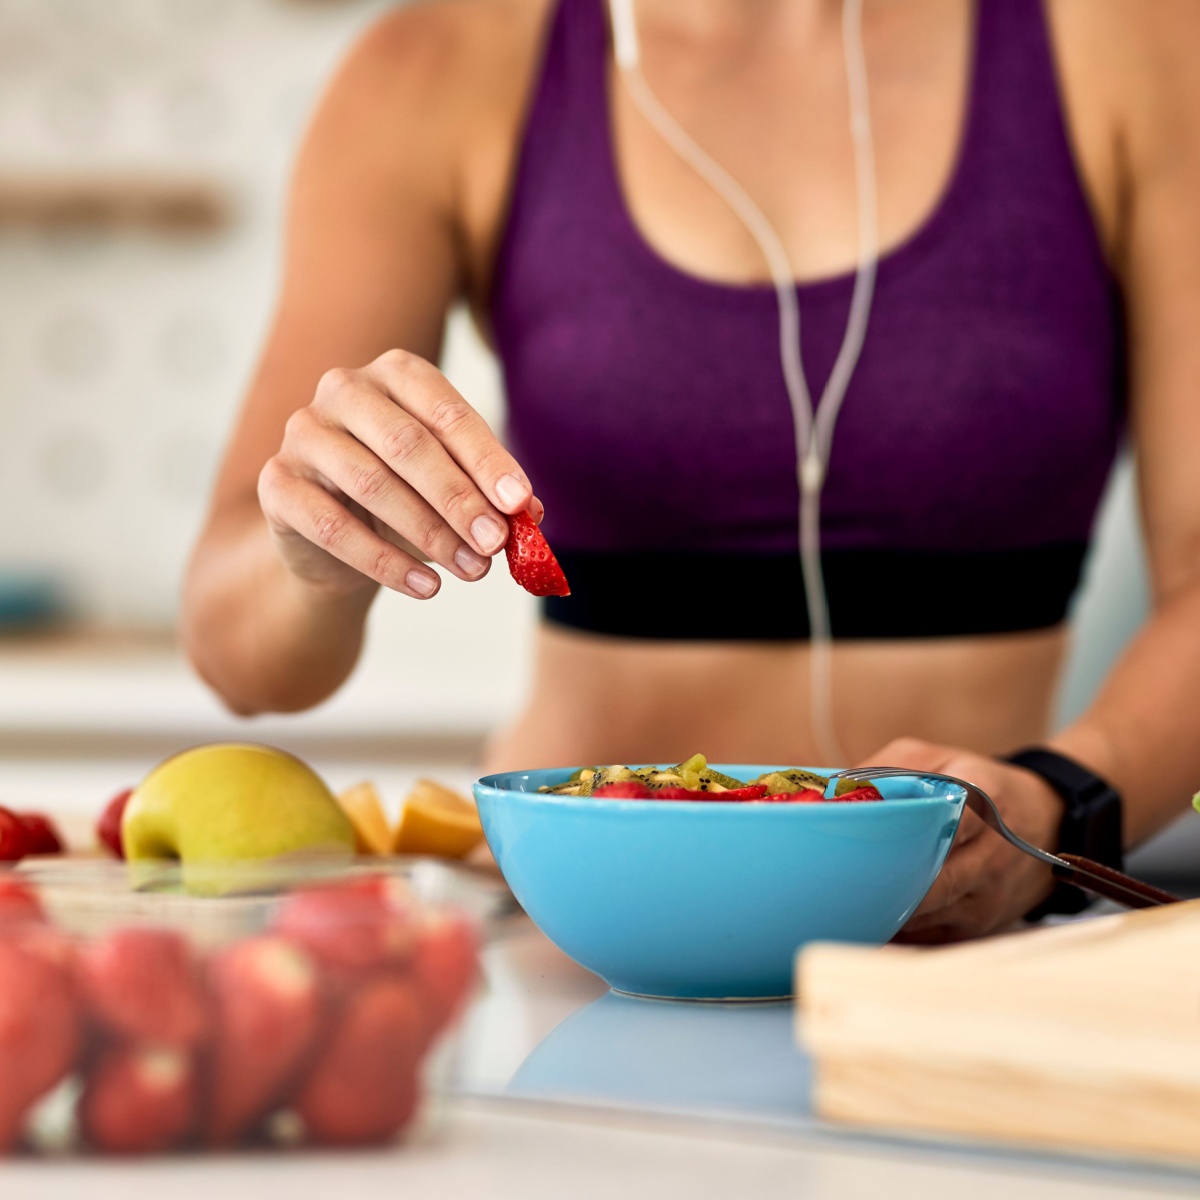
<point x="986" y="883"/>
<point x="386" y="467"/>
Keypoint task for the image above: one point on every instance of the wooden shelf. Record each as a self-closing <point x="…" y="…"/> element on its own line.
<point x="170" y="203"/>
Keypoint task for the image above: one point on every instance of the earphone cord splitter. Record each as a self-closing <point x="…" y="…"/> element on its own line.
<point x="814" y="424"/>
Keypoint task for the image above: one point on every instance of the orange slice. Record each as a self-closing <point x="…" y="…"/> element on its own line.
<point x="365" y="810"/>
<point x="437" y="821"/>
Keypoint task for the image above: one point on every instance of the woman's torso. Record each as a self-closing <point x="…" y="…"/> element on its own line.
<point x="601" y="698"/>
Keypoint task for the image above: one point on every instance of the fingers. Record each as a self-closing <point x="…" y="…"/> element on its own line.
<point x="409" y="451"/>
<point x="399" y="455"/>
<point x="961" y="874"/>
<point x="344" y="462"/>
<point x="420" y="389"/>
<point x="295" y="505"/>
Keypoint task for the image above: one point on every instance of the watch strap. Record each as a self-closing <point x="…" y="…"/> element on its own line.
<point x="1092" y="824"/>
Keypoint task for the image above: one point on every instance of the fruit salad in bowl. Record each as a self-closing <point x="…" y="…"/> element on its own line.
<point x="701" y="881"/>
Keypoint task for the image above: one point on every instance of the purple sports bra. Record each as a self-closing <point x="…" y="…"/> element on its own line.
<point x="648" y="405"/>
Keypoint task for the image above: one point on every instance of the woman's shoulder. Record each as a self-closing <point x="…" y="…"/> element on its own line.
<point x="435" y="52"/>
<point x="1131" y="87"/>
<point x="428" y="103"/>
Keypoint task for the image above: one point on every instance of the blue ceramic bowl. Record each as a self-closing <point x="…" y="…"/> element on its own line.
<point x="704" y="900"/>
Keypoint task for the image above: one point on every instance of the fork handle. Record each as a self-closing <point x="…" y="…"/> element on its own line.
<point x="1112" y="885"/>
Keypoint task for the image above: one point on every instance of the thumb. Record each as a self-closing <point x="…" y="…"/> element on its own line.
<point x="912" y="754"/>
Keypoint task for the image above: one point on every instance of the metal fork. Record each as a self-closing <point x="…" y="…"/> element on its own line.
<point x="1070" y="868"/>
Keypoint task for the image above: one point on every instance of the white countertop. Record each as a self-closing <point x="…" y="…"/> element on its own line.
<point x="491" y="1153"/>
<point x="97" y="686"/>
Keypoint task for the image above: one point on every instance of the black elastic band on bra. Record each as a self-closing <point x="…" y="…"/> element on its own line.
<point x="872" y="593"/>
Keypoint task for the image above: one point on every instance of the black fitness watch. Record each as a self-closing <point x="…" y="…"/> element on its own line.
<point x="1092" y="824"/>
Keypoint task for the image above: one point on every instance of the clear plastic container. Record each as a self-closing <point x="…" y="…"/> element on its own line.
<point x="152" y="1008"/>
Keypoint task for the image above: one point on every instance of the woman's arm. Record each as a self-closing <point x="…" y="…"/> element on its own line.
<point x="341" y="478"/>
<point x="1142" y="732"/>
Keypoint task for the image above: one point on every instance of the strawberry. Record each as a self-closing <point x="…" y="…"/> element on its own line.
<point x="627" y="789"/>
<point x="14" y="841"/>
<point x="352" y="928"/>
<point x="108" y="827"/>
<point x="139" y="1100"/>
<point x="445" y="967"/>
<point x="145" y="984"/>
<point x="866" y="792"/>
<point x="39" y="1024"/>
<point x="633" y="789"/>
<point x="363" y="1087"/>
<point x="18" y="902"/>
<point x="531" y="560"/>
<point x="267" y="1014"/>
<point x="41" y="834"/>
<point x="804" y="796"/>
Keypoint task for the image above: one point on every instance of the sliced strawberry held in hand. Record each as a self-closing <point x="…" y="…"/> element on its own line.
<point x="531" y="560"/>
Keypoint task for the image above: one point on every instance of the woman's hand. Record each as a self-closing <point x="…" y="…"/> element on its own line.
<point x="986" y="883"/>
<point x="387" y="466"/>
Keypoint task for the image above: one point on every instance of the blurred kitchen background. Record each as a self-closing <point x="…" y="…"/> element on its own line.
<point x="145" y="147"/>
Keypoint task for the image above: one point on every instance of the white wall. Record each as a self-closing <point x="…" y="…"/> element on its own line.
<point x="123" y="355"/>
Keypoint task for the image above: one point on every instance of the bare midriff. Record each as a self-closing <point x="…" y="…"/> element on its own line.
<point x="608" y="700"/>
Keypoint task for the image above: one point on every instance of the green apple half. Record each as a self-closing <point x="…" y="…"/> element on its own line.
<point x="229" y="802"/>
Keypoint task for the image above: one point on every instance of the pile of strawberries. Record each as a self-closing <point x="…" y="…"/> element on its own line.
<point x="753" y="793"/>
<point x="22" y="834"/>
<point x="328" y="1016"/>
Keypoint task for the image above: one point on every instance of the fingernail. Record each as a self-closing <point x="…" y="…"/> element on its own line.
<point x="424" y="583"/>
<point x="511" y="491"/>
<point x="537" y="510"/>
<point x="470" y="563"/>
<point x="488" y="533"/>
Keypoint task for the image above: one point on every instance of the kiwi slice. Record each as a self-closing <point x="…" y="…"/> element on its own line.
<point x="580" y="783"/>
<point x="614" y="774"/>
<point x="793" y="780"/>
<point x="715" y="781"/>
<point x="847" y="784"/>
<point x="691" y="769"/>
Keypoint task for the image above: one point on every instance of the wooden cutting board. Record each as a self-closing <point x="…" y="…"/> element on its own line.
<point x="1084" y="1036"/>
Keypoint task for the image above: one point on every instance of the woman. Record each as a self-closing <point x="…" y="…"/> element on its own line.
<point x="1036" y="167"/>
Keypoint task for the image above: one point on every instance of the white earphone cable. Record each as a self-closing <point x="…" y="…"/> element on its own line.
<point x="814" y="424"/>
